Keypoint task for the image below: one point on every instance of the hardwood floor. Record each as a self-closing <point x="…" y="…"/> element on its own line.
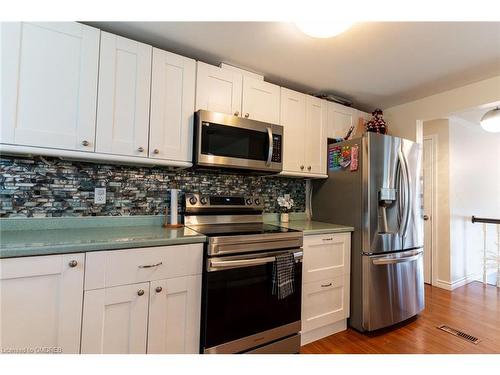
<point x="472" y="308"/>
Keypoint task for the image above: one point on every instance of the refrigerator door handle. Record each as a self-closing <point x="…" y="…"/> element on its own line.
<point x="384" y="261"/>
<point x="406" y="192"/>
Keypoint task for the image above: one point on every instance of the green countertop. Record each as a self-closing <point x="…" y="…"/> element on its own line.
<point x="298" y="221"/>
<point x="43" y="236"/>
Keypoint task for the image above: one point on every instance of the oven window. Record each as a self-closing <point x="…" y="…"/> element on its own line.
<point x="234" y="142"/>
<point x="239" y="302"/>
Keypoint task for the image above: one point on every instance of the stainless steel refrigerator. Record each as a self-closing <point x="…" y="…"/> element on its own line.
<point x="382" y="199"/>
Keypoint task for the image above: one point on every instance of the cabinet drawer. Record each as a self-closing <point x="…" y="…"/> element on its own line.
<point x="324" y="302"/>
<point x="326" y="256"/>
<point x="119" y="267"/>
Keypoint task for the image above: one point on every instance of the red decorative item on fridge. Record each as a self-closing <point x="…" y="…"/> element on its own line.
<point x="377" y="123"/>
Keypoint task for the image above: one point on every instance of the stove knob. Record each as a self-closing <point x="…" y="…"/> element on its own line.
<point x="193" y="200"/>
<point x="203" y="200"/>
<point x="257" y="201"/>
<point x="249" y="201"/>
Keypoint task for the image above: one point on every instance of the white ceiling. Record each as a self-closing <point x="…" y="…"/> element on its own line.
<point x="373" y="64"/>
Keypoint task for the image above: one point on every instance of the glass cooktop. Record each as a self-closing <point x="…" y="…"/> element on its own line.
<point x="218" y="230"/>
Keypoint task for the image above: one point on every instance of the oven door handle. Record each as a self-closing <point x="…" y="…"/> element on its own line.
<point x="270" y="151"/>
<point x="221" y="264"/>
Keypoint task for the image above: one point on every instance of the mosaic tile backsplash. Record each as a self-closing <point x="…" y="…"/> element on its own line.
<point x="47" y="187"/>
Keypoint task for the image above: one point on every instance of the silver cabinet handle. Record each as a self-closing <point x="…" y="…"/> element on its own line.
<point x="151" y="265"/>
<point x="237" y="113"/>
<point x="85" y="143"/>
<point x="385" y="261"/>
<point x="158" y="289"/>
<point x="140" y="292"/>
<point x="270" y="150"/>
<point x="140" y="149"/>
<point x="156" y="151"/>
<point x="247" y="115"/>
<point x="73" y="263"/>
<point x="328" y="239"/>
<point x="326" y="285"/>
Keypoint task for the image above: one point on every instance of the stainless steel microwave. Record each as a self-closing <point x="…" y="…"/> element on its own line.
<point x="227" y="141"/>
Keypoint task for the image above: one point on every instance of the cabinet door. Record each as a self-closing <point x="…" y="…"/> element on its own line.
<point x="115" y="320"/>
<point x="261" y="100"/>
<point x="172" y="106"/>
<point x="326" y="256"/>
<point x="315" y="139"/>
<point x="324" y="302"/>
<point x="293" y="120"/>
<point x="218" y="90"/>
<point x="49" y="84"/>
<point x="340" y="119"/>
<point x="174" y="315"/>
<point x="41" y="303"/>
<point x="124" y="95"/>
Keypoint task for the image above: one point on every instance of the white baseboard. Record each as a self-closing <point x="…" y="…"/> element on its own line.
<point x="319" y="333"/>
<point x="457" y="283"/>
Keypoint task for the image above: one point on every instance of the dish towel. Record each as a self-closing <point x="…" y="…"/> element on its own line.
<point x="284" y="275"/>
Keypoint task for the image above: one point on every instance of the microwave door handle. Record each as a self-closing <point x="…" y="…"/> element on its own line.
<point x="270" y="150"/>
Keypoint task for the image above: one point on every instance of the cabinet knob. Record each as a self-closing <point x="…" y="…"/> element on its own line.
<point x="237" y="113"/>
<point x="426" y="217"/>
<point x="158" y="289"/>
<point x="140" y="292"/>
<point x="247" y="115"/>
<point x="301" y="167"/>
<point x="140" y="149"/>
<point x="85" y="143"/>
<point x="73" y="263"/>
<point x="309" y="168"/>
<point x="156" y="151"/>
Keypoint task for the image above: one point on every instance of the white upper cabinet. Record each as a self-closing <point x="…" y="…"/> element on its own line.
<point x="218" y="90"/>
<point x="41" y="302"/>
<point x="172" y="106"/>
<point x="124" y="96"/>
<point x="49" y="84"/>
<point x="293" y="120"/>
<point x="315" y="139"/>
<point x="340" y="119"/>
<point x="261" y="100"/>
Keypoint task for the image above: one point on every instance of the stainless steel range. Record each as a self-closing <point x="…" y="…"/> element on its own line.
<point x="240" y="313"/>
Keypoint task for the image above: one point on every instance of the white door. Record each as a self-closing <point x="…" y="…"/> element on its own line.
<point x="218" y="90"/>
<point x="339" y="118"/>
<point x="124" y="96"/>
<point x="115" y="320"/>
<point x="174" y="315"/>
<point x="172" y="106"/>
<point x="49" y="84"/>
<point x="429" y="165"/>
<point x="293" y="120"/>
<point x="41" y="303"/>
<point x="315" y="138"/>
<point x="261" y="100"/>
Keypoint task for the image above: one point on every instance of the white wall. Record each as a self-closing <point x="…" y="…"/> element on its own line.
<point x="468" y="183"/>
<point x="402" y="119"/>
<point x="474" y="190"/>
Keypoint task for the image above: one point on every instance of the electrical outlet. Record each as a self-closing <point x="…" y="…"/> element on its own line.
<point x="100" y="195"/>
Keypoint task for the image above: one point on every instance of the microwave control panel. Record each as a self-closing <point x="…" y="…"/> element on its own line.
<point x="276" y="158"/>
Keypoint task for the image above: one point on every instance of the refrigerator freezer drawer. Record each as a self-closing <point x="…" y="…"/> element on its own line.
<point x="393" y="288"/>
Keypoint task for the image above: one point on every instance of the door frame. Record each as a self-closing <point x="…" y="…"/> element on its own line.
<point x="434" y="202"/>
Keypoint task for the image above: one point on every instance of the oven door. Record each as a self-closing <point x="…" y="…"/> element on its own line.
<point x="240" y="312"/>
<point x="229" y="141"/>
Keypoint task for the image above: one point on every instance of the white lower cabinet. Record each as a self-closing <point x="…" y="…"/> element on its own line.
<point x="115" y="320"/>
<point x="41" y="303"/>
<point x="174" y="315"/>
<point x="325" y="288"/>
<point x="145" y="300"/>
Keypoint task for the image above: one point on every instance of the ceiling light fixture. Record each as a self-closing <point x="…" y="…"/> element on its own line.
<point x="491" y="121"/>
<point x="323" y="29"/>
